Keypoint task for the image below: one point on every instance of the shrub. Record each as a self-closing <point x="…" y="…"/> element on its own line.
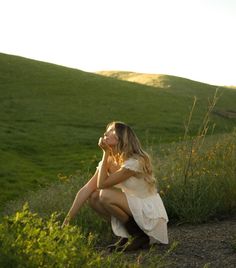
<point x="58" y="198"/>
<point x="26" y="240"/>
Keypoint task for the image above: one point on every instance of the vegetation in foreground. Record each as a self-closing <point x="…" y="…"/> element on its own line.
<point x="29" y="241"/>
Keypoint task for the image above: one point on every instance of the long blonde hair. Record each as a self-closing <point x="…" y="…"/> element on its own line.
<point x="130" y="146"/>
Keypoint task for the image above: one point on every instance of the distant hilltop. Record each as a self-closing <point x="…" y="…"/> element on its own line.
<point x="154" y="80"/>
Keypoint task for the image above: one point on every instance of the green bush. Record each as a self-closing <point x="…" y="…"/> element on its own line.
<point x="26" y="240"/>
<point x="58" y="197"/>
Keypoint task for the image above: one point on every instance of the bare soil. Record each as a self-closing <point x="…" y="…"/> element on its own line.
<point x="206" y="245"/>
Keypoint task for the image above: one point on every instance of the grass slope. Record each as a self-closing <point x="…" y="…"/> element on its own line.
<point x="51" y="117"/>
<point x="155" y="80"/>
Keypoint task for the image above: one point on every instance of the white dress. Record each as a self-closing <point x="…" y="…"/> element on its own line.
<point x="147" y="208"/>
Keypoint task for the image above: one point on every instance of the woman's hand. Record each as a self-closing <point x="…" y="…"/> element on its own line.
<point x="66" y="221"/>
<point x="103" y="145"/>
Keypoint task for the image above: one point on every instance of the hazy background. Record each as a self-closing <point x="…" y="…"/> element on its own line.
<point x="187" y="38"/>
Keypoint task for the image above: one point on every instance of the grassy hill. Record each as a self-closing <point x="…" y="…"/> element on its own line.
<point x="52" y="116"/>
<point x="154" y="80"/>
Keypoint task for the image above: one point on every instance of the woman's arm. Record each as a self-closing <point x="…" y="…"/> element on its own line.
<point x="103" y="171"/>
<point x="82" y="195"/>
<point x="105" y="181"/>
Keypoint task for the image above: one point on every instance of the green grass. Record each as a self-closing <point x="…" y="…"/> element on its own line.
<point x="196" y="179"/>
<point x="205" y="190"/>
<point x="196" y="183"/>
<point x="51" y="118"/>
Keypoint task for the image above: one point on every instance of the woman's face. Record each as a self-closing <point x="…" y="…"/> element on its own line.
<point x="110" y="136"/>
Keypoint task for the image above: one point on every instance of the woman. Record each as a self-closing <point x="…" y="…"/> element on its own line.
<point x="123" y="191"/>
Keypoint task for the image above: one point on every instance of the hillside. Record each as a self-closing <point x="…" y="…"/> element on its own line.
<point x="52" y="116"/>
<point x="154" y="80"/>
<point x="176" y="83"/>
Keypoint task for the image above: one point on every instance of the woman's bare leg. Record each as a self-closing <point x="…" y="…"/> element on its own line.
<point x="115" y="203"/>
<point x="95" y="204"/>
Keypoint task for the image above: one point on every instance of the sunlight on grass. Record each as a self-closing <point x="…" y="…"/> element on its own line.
<point x="52" y="116"/>
<point x="155" y="80"/>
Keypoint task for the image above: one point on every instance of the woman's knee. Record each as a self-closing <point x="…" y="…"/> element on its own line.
<point x="94" y="198"/>
<point x="105" y="196"/>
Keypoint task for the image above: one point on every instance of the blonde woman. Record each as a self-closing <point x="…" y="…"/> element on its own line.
<point x="123" y="191"/>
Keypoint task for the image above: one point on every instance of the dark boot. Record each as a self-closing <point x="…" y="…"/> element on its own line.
<point x="118" y="245"/>
<point x="139" y="238"/>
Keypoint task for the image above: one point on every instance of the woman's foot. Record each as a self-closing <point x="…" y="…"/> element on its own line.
<point x="140" y="239"/>
<point x="138" y="242"/>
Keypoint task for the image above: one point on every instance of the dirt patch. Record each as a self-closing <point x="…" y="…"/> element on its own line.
<point x="207" y="245"/>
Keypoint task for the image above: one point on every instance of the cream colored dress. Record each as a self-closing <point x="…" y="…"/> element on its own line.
<point x="147" y="208"/>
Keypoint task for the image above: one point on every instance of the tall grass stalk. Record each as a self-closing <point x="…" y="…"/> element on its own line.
<point x="190" y="117"/>
<point x="197" y="177"/>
